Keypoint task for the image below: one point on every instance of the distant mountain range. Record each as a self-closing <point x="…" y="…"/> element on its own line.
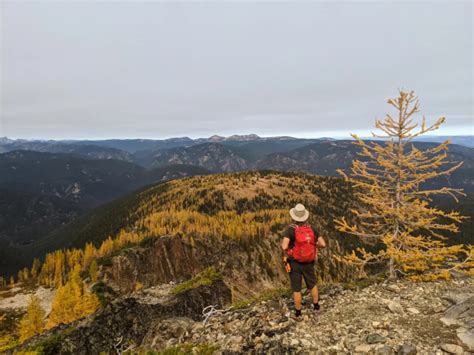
<point x="321" y="158"/>
<point x="467" y="141"/>
<point x="135" y="145"/>
<point x="48" y="185"/>
<point x="148" y="152"/>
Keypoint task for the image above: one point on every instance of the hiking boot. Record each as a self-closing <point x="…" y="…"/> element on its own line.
<point x="297" y="316"/>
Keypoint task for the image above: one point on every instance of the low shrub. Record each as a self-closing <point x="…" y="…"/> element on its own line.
<point x="206" y="277"/>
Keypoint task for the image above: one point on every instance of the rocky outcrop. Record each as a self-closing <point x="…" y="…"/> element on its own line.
<point x="176" y="259"/>
<point x="250" y="269"/>
<point x="461" y="314"/>
<point x="192" y="302"/>
<point x="159" y="261"/>
<point x="127" y="322"/>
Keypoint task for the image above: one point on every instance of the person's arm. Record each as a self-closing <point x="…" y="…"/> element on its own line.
<point x="321" y="243"/>
<point x="285" y="243"/>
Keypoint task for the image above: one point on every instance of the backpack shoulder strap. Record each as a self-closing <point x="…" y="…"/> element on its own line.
<point x="294" y="226"/>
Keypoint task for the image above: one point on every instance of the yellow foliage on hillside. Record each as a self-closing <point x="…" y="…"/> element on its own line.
<point x="72" y="301"/>
<point x="33" y="321"/>
<point x="244" y="207"/>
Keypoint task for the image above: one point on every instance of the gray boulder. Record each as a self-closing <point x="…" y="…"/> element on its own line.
<point x="462" y="314"/>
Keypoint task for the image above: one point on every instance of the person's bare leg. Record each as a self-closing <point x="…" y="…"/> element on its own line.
<point x="314" y="293"/>
<point x="297" y="299"/>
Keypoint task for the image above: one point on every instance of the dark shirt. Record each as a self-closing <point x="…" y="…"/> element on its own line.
<point x="290" y="234"/>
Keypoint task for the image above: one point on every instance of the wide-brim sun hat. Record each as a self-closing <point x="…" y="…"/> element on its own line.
<point x="299" y="213"/>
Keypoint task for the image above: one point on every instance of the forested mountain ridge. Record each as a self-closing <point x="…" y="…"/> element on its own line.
<point x="324" y="158"/>
<point x="40" y="192"/>
<point x="228" y="211"/>
<point x="86" y="183"/>
<point x="213" y="156"/>
<point x="80" y="150"/>
<point x="142" y="151"/>
<point x="318" y="156"/>
<point x="240" y="208"/>
<point x="217" y="237"/>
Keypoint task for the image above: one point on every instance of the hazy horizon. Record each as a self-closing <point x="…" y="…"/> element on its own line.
<point x="426" y="136"/>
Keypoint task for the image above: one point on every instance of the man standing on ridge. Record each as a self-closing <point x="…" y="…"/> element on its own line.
<point x="301" y="243"/>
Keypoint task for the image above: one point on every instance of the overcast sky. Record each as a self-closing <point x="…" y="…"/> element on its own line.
<point x="102" y="69"/>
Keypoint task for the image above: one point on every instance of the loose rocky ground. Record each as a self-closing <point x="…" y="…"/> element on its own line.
<point x="401" y="318"/>
<point x="383" y="318"/>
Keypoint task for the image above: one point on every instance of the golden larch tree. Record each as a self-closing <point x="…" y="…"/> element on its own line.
<point x="33" y="322"/>
<point x="390" y="182"/>
<point x="93" y="271"/>
<point x="35" y="268"/>
<point x="59" y="268"/>
<point x="72" y="301"/>
<point x="89" y="255"/>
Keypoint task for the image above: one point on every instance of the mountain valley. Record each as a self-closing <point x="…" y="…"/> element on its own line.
<point x="61" y="187"/>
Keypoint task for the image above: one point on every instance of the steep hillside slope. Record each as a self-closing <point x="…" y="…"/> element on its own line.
<point x="24" y="216"/>
<point x="40" y="192"/>
<point x="171" y="231"/>
<point x="85" y="181"/>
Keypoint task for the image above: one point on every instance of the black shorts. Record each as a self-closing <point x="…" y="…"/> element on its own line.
<point x="300" y="271"/>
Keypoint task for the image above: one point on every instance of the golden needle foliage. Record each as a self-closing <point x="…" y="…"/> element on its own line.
<point x="72" y="301"/>
<point x="33" y="322"/>
<point x="390" y="183"/>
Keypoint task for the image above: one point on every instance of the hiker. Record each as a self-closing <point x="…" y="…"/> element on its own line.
<point x="300" y="244"/>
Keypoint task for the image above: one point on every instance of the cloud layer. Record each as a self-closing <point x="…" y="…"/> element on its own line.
<point x="159" y="69"/>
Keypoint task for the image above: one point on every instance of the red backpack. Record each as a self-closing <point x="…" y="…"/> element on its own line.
<point x="305" y="250"/>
